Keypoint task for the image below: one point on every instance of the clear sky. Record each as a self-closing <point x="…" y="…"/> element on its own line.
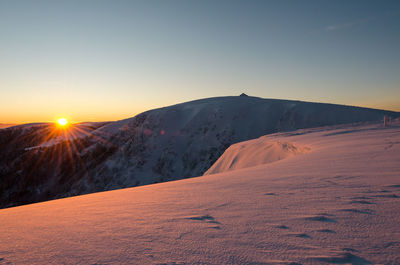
<point x="109" y="60"/>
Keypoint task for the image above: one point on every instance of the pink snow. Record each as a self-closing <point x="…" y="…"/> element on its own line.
<point x="255" y="152"/>
<point x="337" y="203"/>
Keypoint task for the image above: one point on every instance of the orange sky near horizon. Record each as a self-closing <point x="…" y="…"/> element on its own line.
<point x="100" y="113"/>
<point x="110" y="60"/>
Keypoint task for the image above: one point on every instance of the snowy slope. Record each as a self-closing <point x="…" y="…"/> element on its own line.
<point x="159" y="145"/>
<point x="184" y="140"/>
<point x="336" y="204"/>
<point x="256" y="152"/>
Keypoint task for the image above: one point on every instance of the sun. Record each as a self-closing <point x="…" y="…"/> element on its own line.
<point x="62" y="121"/>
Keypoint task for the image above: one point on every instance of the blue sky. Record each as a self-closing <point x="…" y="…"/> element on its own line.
<point x="108" y="60"/>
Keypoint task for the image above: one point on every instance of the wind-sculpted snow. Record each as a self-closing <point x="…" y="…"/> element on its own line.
<point x="184" y="140"/>
<point x="253" y="153"/>
<point x="170" y="143"/>
<point x="337" y="204"/>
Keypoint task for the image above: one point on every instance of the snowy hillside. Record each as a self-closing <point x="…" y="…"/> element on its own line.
<point x="337" y="203"/>
<point x="256" y="152"/>
<point x="159" y="145"/>
<point x="184" y="140"/>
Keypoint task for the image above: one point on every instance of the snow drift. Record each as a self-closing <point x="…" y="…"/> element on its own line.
<point x="184" y="140"/>
<point x="159" y="145"/>
<point x="253" y="153"/>
<point x="337" y="204"/>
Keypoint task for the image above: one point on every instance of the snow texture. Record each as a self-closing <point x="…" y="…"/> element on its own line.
<point x="184" y="140"/>
<point x="338" y="203"/>
<point x="171" y="143"/>
<point x="253" y="153"/>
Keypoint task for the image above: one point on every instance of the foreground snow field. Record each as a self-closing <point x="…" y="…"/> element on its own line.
<point x="337" y="203"/>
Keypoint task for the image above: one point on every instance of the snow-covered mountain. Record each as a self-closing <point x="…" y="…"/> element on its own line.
<point x="164" y="144"/>
<point x="184" y="140"/>
<point x="336" y="204"/>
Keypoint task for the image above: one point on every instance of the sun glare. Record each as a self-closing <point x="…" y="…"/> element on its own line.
<point x="62" y="121"/>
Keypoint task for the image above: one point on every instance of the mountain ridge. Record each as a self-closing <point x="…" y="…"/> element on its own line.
<point x="310" y="208"/>
<point x="169" y="143"/>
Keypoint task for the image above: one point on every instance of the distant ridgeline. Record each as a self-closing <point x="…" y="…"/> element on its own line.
<point x="159" y="145"/>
